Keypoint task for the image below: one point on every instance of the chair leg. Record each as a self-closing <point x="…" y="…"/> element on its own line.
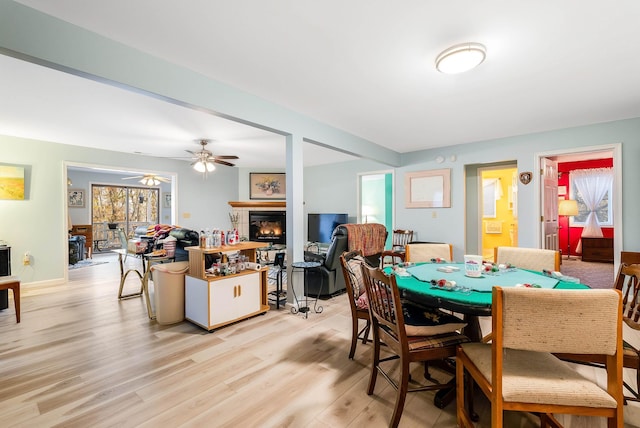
<point x="375" y="361"/>
<point x="354" y="337"/>
<point x="16" y="301"/>
<point x="401" y="395"/>
<point x="365" y="335"/>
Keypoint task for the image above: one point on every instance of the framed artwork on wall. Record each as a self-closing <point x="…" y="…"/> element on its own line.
<point x="166" y="200"/>
<point x="428" y="189"/>
<point x="267" y="185"/>
<point x="75" y="198"/>
<point x="11" y="182"/>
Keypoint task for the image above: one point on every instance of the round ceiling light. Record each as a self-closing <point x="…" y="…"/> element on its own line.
<point x="461" y="58"/>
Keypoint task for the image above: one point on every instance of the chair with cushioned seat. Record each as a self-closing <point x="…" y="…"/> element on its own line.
<point x="628" y="282"/>
<point x="518" y="370"/>
<point x="537" y="259"/>
<point x="416" y="252"/>
<point x="431" y="337"/>
<point x="352" y="270"/>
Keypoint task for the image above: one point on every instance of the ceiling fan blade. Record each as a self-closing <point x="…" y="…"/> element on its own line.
<point x="226" y="157"/>
<point x="223" y="162"/>
<point x="131" y="178"/>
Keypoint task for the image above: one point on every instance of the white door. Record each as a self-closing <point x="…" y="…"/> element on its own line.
<point x="549" y="201"/>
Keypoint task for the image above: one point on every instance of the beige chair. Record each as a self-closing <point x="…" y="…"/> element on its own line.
<point x="528" y="258"/>
<point x="518" y="370"/>
<point x="424" y="252"/>
<point x="389" y="327"/>
<point x="628" y="282"/>
<point x="352" y="270"/>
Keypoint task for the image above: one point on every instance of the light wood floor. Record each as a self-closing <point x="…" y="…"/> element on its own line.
<point x="81" y="358"/>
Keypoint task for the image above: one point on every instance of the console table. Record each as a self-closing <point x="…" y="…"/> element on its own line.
<point x="597" y="250"/>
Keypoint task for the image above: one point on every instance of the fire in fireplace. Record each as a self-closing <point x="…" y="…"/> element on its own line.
<point x="268" y="226"/>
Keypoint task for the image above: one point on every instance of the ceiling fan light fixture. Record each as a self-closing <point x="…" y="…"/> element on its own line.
<point x="210" y="166"/>
<point x="199" y="166"/>
<point x="461" y="58"/>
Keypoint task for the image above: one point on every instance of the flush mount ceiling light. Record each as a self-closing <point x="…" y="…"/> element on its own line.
<point x="461" y="58"/>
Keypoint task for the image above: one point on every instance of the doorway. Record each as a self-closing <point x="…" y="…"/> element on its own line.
<point x="570" y="225"/>
<point x="498" y="195"/>
<point x="375" y="196"/>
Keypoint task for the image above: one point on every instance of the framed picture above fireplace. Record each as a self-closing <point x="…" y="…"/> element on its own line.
<point x="267" y="185"/>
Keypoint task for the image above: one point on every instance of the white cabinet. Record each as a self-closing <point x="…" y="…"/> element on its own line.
<point x="213" y="302"/>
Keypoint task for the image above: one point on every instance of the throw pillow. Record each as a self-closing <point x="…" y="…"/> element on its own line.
<point x="428" y="322"/>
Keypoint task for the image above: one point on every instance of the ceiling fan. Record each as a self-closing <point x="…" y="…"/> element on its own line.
<point x="204" y="160"/>
<point x="149" y="179"/>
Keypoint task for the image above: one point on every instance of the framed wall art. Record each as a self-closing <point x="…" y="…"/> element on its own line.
<point x="267" y="185"/>
<point x="428" y="189"/>
<point x="11" y="182"/>
<point x="166" y="200"/>
<point x="75" y="198"/>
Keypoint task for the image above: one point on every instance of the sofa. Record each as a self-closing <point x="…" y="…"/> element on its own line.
<point x="328" y="279"/>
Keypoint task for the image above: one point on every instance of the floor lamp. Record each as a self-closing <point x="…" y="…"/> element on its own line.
<point x="568" y="208"/>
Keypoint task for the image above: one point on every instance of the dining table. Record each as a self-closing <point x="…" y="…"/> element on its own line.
<point x="447" y="286"/>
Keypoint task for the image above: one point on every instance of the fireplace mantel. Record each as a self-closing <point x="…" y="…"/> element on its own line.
<point x="258" y="204"/>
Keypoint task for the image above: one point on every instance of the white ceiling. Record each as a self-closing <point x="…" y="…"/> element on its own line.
<point x="364" y="66"/>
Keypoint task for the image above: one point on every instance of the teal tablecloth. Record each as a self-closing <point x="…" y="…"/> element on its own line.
<point x="474" y="298"/>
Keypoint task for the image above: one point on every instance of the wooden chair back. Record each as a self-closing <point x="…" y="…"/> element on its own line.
<point x="537" y="259"/>
<point x="400" y="238"/>
<point x="628" y="282"/>
<point x="424" y="252"/>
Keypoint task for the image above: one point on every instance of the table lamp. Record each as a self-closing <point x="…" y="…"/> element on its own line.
<point x="568" y="208"/>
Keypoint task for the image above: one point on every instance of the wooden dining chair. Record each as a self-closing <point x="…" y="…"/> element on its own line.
<point x="628" y="282"/>
<point x="399" y="239"/>
<point x="407" y="342"/>
<point x="351" y="263"/>
<point x="426" y="251"/>
<point x="537" y="259"/>
<point x="518" y="370"/>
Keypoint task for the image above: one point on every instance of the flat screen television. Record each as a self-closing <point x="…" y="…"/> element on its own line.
<point x="321" y="226"/>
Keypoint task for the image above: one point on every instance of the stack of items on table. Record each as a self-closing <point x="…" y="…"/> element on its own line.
<point x="152" y="238"/>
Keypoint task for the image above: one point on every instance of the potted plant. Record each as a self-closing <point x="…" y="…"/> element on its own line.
<point x="112" y="220"/>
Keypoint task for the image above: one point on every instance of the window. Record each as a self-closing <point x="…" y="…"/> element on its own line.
<point x="592" y="187"/>
<point x="129" y="207"/>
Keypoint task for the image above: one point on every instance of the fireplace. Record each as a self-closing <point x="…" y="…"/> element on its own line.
<point x="268" y="227"/>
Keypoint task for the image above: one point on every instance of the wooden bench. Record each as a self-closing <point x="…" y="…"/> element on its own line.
<point x="13" y="283"/>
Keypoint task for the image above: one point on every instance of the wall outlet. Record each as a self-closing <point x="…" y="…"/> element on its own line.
<point x="434" y="214"/>
<point x="26" y="260"/>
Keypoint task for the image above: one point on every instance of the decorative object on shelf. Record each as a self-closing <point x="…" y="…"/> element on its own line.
<point x="267" y="185"/>
<point x="75" y="198"/>
<point x="234" y="218"/>
<point x="525" y="177"/>
<point x="428" y="189"/>
<point x="568" y="208"/>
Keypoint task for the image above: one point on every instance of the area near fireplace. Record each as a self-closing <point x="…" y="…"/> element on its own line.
<point x="244" y="208"/>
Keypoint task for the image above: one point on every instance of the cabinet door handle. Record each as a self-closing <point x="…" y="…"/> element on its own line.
<point x="235" y="291"/>
<point x="239" y="290"/>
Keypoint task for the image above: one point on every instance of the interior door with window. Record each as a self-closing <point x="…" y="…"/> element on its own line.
<point x="549" y="169"/>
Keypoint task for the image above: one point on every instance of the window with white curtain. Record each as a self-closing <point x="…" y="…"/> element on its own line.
<point x="593" y="190"/>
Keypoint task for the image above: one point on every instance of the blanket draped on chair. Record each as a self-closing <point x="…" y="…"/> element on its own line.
<point x="368" y="237"/>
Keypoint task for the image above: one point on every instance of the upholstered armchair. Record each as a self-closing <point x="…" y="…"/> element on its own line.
<point x="328" y="279"/>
